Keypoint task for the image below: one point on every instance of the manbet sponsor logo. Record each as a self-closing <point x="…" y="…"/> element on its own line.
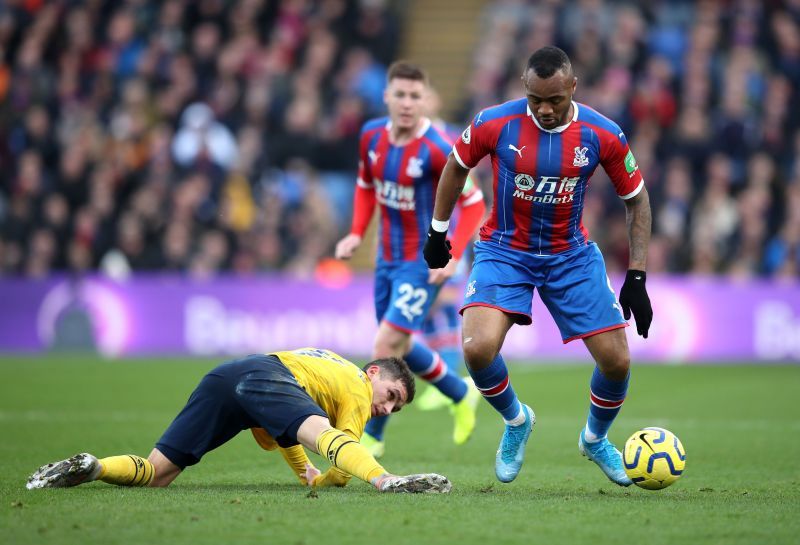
<point x="548" y="189"/>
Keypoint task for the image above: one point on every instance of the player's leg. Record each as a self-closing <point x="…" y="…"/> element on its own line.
<point x="498" y="295"/>
<point x="609" y="383"/>
<point x="441" y="331"/>
<point x="583" y="305"/>
<point x="185" y="439"/>
<point x="607" y="390"/>
<point x="461" y="393"/>
<point x="484" y="332"/>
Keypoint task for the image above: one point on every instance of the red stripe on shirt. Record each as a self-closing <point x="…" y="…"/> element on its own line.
<point x="382" y="149"/>
<point x="560" y="234"/>
<point x="523" y="210"/>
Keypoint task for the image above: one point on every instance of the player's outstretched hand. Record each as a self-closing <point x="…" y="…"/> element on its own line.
<point x="419" y="483"/>
<point x="437" y="249"/>
<point x="633" y="298"/>
<point x="311" y="474"/>
<point x="346" y="246"/>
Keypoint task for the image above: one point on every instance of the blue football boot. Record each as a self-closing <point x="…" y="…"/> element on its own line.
<point x="511" y="453"/>
<point x="607" y="457"/>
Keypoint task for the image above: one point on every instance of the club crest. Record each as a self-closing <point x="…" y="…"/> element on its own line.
<point x="414" y="168"/>
<point x="580" y="157"/>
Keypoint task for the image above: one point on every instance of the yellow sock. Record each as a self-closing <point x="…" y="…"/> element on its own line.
<point x="126" y="470"/>
<point x="349" y="455"/>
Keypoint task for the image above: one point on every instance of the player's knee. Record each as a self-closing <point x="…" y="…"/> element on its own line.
<point x="615" y="367"/>
<point x="478" y="353"/>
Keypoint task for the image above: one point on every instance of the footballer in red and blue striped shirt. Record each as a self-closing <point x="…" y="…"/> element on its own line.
<point x="544" y="148"/>
<point x="401" y="158"/>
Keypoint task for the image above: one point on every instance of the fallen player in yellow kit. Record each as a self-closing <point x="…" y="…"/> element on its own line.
<point x="310" y="398"/>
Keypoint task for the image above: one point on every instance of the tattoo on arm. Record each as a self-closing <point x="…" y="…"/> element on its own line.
<point x="639" y="220"/>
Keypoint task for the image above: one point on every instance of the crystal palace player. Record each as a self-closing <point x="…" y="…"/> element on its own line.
<point x="308" y="397"/>
<point x="401" y="159"/>
<point x="544" y="148"/>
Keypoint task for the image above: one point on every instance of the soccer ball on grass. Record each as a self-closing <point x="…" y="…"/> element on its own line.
<point x="654" y="458"/>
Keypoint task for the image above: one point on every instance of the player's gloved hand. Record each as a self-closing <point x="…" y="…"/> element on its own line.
<point x="437" y="249"/>
<point x="633" y="298"/>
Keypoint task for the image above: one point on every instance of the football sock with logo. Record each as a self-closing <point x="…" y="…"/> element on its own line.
<point x="376" y="425"/>
<point x="431" y="367"/>
<point x="441" y="330"/>
<point x="606" y="397"/>
<point x="495" y="386"/>
<point x="347" y="454"/>
<point x="126" y="470"/>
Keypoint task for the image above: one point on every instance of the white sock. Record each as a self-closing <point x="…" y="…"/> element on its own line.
<point x="589" y="436"/>
<point x="517" y="420"/>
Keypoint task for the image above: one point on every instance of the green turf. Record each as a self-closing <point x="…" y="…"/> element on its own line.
<point x="740" y="426"/>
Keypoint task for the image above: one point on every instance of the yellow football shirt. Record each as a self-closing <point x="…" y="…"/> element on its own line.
<point x="340" y="387"/>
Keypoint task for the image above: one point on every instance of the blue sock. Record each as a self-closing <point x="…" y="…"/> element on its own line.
<point x="376" y="425"/>
<point x="606" y="398"/>
<point x="495" y="386"/>
<point x="431" y="367"/>
<point x="442" y="332"/>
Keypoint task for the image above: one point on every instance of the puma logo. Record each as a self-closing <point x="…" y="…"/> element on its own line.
<point x="517" y="150"/>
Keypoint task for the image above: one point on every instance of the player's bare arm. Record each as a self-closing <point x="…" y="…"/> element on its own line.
<point x="639" y="220"/>
<point x="451" y="184"/>
<point x="633" y="296"/>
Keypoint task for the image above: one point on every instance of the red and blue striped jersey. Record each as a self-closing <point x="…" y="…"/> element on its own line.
<point x="541" y="176"/>
<point x="405" y="179"/>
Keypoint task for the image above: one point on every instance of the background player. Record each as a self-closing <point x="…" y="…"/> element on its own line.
<point x="442" y="326"/>
<point x="544" y="149"/>
<point x="401" y="159"/>
<point x="309" y="398"/>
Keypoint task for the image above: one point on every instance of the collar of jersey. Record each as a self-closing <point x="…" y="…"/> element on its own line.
<point x="426" y="124"/>
<point x="562" y="128"/>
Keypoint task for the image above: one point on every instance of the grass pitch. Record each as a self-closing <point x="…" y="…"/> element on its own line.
<point x="740" y="426"/>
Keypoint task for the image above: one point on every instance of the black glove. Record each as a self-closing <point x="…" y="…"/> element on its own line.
<point x="437" y="249"/>
<point x="633" y="298"/>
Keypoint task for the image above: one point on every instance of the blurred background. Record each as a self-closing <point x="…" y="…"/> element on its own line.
<point x="174" y="175"/>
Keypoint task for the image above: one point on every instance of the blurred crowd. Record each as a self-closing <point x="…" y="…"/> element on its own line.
<point x="193" y="136"/>
<point x="221" y="135"/>
<point x="707" y="92"/>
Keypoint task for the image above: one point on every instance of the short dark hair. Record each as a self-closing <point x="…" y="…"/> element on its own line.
<point x="406" y="70"/>
<point x="396" y="368"/>
<point x="548" y="60"/>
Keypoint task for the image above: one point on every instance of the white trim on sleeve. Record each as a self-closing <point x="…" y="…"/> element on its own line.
<point x="458" y="158"/>
<point x="633" y="193"/>
<point x="362" y="184"/>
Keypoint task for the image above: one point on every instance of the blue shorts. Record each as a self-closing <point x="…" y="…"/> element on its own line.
<point x="257" y="391"/>
<point x="573" y="286"/>
<point x="403" y="296"/>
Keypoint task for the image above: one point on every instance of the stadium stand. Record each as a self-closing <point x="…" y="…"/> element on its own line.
<point x="209" y="136"/>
